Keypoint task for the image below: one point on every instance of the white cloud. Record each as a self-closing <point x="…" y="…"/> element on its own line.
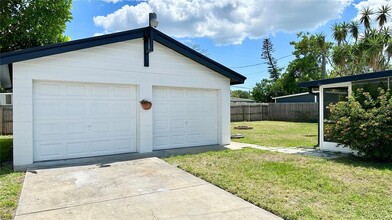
<point x="112" y="1"/>
<point x="225" y="21"/>
<point x="374" y="5"/>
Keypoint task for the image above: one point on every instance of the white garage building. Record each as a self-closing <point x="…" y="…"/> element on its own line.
<point x="81" y="98"/>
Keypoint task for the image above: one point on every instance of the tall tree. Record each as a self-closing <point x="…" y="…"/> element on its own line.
<point x="371" y="52"/>
<point x="265" y="90"/>
<point x="266" y="54"/>
<point x="240" y="94"/>
<point x="31" y="23"/>
<point x="383" y="14"/>
<point x="354" y="30"/>
<point x="365" y="17"/>
<point x="311" y="52"/>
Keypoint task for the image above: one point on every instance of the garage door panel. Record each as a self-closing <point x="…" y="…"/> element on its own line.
<point x="161" y="107"/>
<point x="77" y="128"/>
<point x="193" y="94"/>
<point x="76" y="109"/>
<point x="124" y="108"/>
<point x="82" y="119"/>
<point x="164" y="142"/>
<point x="50" y="150"/>
<point x="161" y="124"/>
<point x="181" y="118"/>
<point x="100" y="109"/>
<point x="49" y="110"/>
<point x="101" y="146"/>
<point x="100" y="127"/>
<point x="47" y="89"/>
<point x="124" y="92"/>
<point x="177" y="124"/>
<point x="76" y="90"/>
<point x="49" y="128"/>
<point x="176" y="109"/>
<point x="77" y="149"/>
<point x="100" y="91"/>
<point x="122" y="145"/>
<point x="177" y="93"/>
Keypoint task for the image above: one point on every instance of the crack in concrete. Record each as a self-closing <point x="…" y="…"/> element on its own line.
<point x="108" y="200"/>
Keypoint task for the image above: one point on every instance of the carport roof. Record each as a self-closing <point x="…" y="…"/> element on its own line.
<point x="51" y="49"/>
<point x="365" y="76"/>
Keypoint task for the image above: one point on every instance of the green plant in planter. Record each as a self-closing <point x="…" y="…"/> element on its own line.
<point x="146" y="105"/>
<point x="364" y="123"/>
<point x="145" y="101"/>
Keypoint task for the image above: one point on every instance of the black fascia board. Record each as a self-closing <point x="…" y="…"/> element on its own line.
<point x="364" y="76"/>
<point x="51" y="49"/>
<point x="235" y="78"/>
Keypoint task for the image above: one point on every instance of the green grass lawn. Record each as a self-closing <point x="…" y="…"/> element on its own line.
<point x="10" y="181"/>
<point x="10" y="187"/>
<point x="298" y="187"/>
<point x="5" y="148"/>
<point x="278" y="133"/>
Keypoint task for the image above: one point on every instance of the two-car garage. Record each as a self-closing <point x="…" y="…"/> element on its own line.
<point x="81" y="98"/>
<point x="73" y="120"/>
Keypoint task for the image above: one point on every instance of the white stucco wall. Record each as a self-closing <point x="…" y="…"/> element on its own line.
<point x="118" y="63"/>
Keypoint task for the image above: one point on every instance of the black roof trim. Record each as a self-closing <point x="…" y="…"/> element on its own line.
<point x="365" y="76"/>
<point x="162" y="38"/>
<point x="51" y="49"/>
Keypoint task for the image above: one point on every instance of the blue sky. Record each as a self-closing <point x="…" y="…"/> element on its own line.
<point x="230" y="30"/>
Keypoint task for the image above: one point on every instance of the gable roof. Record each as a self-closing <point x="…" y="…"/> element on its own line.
<point x="365" y="76"/>
<point x="51" y="49"/>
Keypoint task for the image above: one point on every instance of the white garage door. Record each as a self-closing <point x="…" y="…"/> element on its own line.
<point x="184" y="117"/>
<point x="74" y="120"/>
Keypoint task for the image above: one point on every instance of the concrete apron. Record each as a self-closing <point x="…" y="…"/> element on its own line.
<point x="137" y="189"/>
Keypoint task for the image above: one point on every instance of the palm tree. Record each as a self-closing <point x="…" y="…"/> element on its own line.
<point x="344" y="28"/>
<point x="322" y="45"/>
<point x="365" y="17"/>
<point x="383" y="14"/>
<point x="354" y="30"/>
<point x="338" y="33"/>
<point x="386" y="33"/>
<point x="388" y="51"/>
<point x="374" y="49"/>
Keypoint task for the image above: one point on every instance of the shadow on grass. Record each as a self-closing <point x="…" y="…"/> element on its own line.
<point x="6" y="169"/>
<point x="5" y="149"/>
<point x="363" y="162"/>
<point x="104" y="161"/>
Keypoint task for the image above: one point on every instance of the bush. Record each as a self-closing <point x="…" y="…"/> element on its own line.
<point x="364" y="123"/>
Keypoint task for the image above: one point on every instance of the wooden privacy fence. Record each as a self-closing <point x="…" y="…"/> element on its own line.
<point x="300" y="112"/>
<point x="5" y="119"/>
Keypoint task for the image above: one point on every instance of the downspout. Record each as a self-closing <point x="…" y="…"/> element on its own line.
<point x="318" y="113"/>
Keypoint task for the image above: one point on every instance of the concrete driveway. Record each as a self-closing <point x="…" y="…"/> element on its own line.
<point x="137" y="189"/>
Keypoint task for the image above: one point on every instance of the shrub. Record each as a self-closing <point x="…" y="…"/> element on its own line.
<point x="364" y="123"/>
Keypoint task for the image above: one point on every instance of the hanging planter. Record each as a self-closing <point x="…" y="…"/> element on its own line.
<point x="146" y="105"/>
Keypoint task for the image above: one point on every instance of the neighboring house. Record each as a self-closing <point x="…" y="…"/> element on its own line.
<point x="299" y="97"/>
<point x="237" y="101"/>
<point x="81" y="98"/>
<point x="337" y="89"/>
<point x="5" y="98"/>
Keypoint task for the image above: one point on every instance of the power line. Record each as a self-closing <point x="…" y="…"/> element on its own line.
<point x="285" y="57"/>
<point x="238" y="67"/>
<point x="258" y="64"/>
